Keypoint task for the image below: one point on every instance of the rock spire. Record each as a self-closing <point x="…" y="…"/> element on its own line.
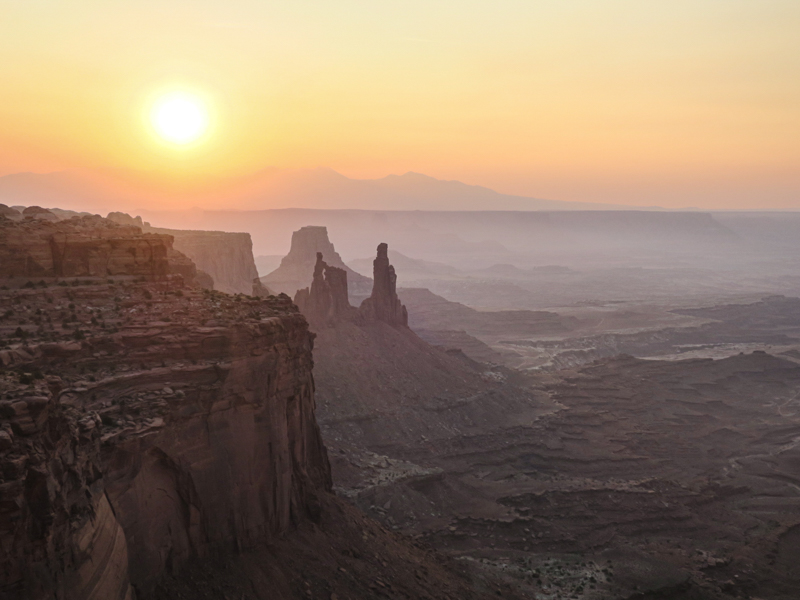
<point x="383" y="304"/>
<point x="325" y="302"/>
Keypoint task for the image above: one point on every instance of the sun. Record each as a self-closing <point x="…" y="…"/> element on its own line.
<point x="180" y="118"/>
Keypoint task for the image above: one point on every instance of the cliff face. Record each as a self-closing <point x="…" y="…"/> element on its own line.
<point x="226" y="257"/>
<point x="297" y="267"/>
<point x="158" y="441"/>
<point x="143" y="425"/>
<point x="83" y="246"/>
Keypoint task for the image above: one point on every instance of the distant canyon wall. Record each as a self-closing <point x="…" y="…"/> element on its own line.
<point x="88" y="246"/>
<point x="226" y="257"/>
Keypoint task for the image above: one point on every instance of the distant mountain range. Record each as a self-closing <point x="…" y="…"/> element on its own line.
<point x="271" y="188"/>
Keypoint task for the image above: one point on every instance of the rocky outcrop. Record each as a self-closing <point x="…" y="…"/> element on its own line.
<point x="383" y="304"/>
<point x="87" y="247"/>
<point x="296" y="269"/>
<point x="325" y="302"/>
<point x="155" y="425"/>
<point x="9" y="213"/>
<point x="227" y="258"/>
<point x="37" y="212"/>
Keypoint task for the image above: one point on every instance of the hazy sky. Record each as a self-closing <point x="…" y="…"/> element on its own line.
<point x="673" y="102"/>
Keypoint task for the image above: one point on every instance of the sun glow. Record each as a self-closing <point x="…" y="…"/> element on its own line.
<point x="180" y="118"/>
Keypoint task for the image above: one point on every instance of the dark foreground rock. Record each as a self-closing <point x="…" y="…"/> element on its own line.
<point x="159" y="440"/>
<point x="142" y="442"/>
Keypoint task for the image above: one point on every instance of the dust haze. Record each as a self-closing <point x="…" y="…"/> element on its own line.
<point x="535" y="404"/>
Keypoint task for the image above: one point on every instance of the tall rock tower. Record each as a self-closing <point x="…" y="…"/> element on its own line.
<point x="383" y="304"/>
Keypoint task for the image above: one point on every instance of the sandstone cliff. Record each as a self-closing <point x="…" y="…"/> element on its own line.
<point x="297" y="267"/>
<point x="158" y="441"/>
<point x="87" y="247"/>
<point x="151" y="441"/>
<point x="226" y="257"/>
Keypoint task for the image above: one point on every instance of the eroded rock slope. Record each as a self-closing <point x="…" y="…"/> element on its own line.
<point x="159" y="440"/>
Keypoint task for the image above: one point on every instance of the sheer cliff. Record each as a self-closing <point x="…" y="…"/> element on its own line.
<point x="89" y="246"/>
<point x="226" y="257"/>
<point x="153" y="440"/>
<point x="159" y="440"/>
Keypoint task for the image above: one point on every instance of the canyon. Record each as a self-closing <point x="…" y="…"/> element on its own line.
<point x="596" y="475"/>
<point x="160" y="439"/>
<point x="154" y="433"/>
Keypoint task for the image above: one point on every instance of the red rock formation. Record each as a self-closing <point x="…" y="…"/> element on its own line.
<point x="86" y="246"/>
<point x="383" y="304"/>
<point x="326" y="301"/>
<point x="9" y="213"/>
<point x="226" y="257"/>
<point x="162" y="438"/>
<point x="186" y="441"/>
<point x="296" y="268"/>
<point x="37" y="212"/>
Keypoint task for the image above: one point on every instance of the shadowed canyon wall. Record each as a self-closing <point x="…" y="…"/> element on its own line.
<point x="175" y="423"/>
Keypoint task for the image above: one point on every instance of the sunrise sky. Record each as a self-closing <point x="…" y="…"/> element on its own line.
<point x="677" y="103"/>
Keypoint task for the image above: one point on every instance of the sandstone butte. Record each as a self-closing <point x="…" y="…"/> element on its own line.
<point x="326" y="302"/>
<point x="148" y="425"/>
<point x="297" y="267"/>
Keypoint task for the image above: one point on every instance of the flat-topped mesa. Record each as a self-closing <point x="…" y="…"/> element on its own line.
<point x="227" y="257"/>
<point x="294" y="272"/>
<point x="88" y="246"/>
<point x="383" y="304"/>
<point x="325" y="302"/>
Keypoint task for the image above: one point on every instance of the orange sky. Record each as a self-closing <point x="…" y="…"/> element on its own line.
<point x="673" y="103"/>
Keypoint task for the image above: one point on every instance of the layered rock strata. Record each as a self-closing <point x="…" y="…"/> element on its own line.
<point x="226" y="257"/>
<point x="143" y="425"/>
<point x="87" y="247"/>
